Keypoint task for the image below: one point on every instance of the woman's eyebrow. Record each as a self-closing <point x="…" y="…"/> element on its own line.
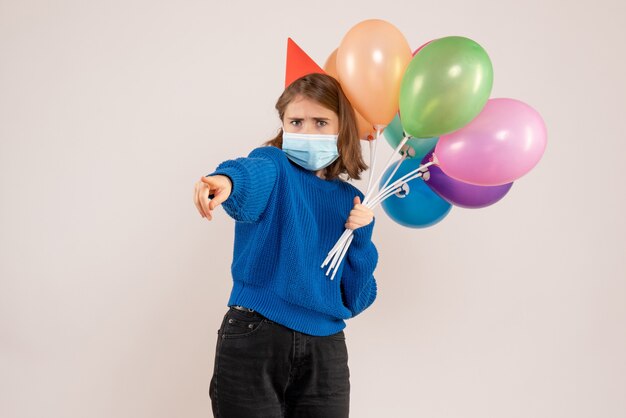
<point x="315" y="118"/>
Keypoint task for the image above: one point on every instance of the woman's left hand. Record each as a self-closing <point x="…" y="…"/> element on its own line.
<point x="360" y="215"/>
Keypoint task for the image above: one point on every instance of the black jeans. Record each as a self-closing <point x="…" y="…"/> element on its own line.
<point x="264" y="369"/>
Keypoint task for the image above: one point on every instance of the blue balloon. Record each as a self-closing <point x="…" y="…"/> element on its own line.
<point x="416" y="205"/>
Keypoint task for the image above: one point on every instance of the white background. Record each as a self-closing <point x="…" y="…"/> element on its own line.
<point x="112" y="286"/>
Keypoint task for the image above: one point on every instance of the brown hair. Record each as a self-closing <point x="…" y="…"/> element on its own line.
<point x="326" y="91"/>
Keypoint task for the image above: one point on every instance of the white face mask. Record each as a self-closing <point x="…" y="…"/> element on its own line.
<point x="311" y="151"/>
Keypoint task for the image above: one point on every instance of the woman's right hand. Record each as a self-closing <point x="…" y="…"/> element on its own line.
<point x="219" y="186"/>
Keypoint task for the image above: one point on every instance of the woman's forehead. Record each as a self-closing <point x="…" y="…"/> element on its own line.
<point x="303" y="107"/>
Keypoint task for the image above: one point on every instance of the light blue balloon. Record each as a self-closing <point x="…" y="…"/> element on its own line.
<point x="416" y="206"/>
<point x="421" y="146"/>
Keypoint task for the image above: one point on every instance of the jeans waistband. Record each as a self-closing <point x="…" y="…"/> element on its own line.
<point x="249" y="312"/>
<point x="242" y="308"/>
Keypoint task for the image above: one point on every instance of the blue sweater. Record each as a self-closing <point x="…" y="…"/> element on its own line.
<point x="287" y="219"/>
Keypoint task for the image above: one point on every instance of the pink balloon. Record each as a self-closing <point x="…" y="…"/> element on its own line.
<point x="504" y="142"/>
<point x="420" y="48"/>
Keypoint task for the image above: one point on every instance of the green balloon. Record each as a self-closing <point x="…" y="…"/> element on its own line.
<point x="445" y="86"/>
<point x="394" y="134"/>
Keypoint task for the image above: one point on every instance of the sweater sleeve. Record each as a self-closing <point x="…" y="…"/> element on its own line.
<point x="358" y="284"/>
<point x="253" y="180"/>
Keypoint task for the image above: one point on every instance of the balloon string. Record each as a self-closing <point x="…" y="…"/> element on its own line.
<point x="404" y="156"/>
<point x="389" y="162"/>
<point x="373" y="147"/>
<point x="369" y="181"/>
<point x="335" y="262"/>
<point x="343" y="253"/>
<point x="337" y="253"/>
<point x="403" y="179"/>
<point x="380" y="199"/>
<point x="339" y="256"/>
<point x="340" y="241"/>
<point x="348" y="232"/>
<point x="391" y="192"/>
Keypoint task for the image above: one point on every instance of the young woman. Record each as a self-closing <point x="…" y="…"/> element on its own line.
<point x="281" y="349"/>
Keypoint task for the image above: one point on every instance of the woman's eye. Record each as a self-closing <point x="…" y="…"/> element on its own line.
<point x="295" y="122"/>
<point x="321" y="123"/>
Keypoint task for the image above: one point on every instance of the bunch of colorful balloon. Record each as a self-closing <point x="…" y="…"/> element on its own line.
<point x="457" y="146"/>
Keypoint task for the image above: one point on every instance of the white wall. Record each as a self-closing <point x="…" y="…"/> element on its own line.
<point x="112" y="286"/>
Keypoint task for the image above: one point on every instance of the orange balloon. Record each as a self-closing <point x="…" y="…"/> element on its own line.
<point x="366" y="129"/>
<point x="367" y="132"/>
<point x="330" y="66"/>
<point x="371" y="61"/>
